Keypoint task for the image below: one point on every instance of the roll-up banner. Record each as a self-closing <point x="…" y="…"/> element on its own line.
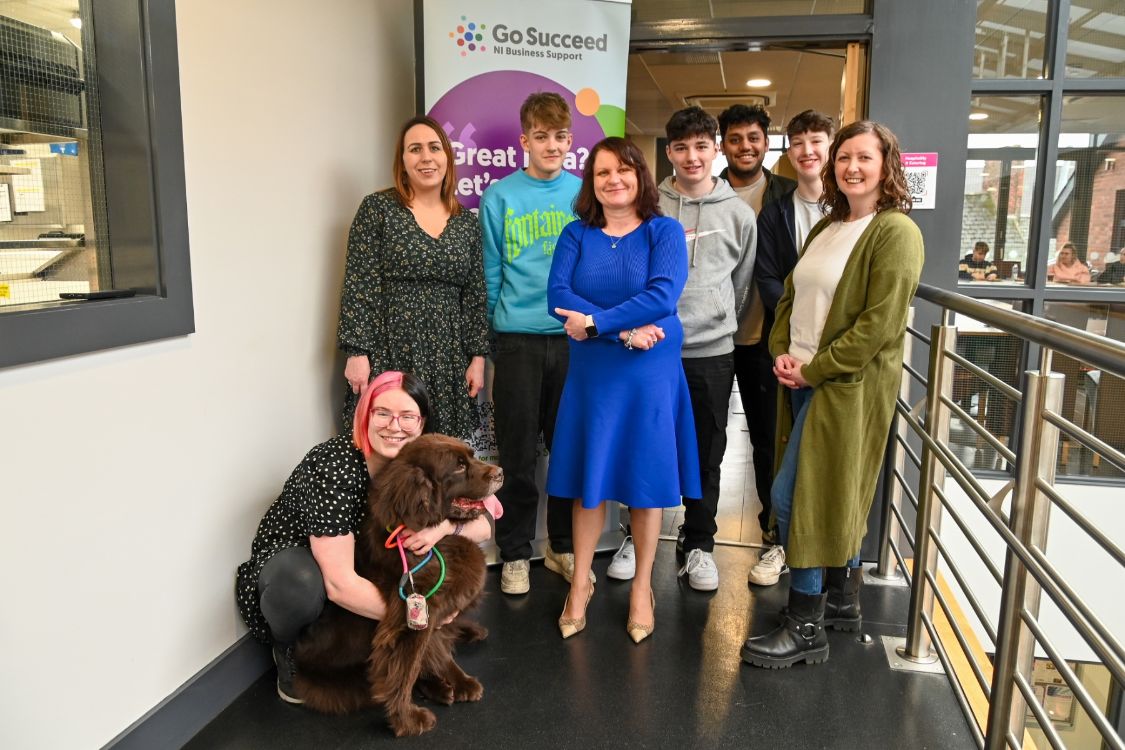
<point x="481" y="59"/>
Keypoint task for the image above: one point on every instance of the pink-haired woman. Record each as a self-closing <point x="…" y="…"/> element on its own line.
<point x="303" y="554"/>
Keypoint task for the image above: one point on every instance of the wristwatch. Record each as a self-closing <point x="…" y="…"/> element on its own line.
<point x="591" y="329"/>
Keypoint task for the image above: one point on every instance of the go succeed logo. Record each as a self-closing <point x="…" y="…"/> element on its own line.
<point x="529" y="42"/>
<point x="468" y="37"/>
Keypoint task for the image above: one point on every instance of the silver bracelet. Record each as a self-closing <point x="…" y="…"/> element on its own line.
<point x="629" y="339"/>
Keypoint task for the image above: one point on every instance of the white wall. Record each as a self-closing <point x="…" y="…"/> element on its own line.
<point x="131" y="481"/>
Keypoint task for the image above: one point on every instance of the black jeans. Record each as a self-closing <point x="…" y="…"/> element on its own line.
<point x="291" y="592"/>
<point x="709" y="382"/>
<point x="757" y="387"/>
<point x="526" y="387"/>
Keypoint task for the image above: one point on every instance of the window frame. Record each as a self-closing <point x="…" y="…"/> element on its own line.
<point x="141" y="141"/>
<point x="1053" y="89"/>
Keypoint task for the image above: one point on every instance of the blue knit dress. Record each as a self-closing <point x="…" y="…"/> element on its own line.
<point x="625" y="430"/>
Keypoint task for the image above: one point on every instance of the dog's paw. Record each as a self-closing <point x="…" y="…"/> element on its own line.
<point x="470" y="632"/>
<point x="435" y="689"/>
<point x="468" y="689"/>
<point x="413" y="720"/>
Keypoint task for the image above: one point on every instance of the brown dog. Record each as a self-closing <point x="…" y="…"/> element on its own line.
<point x="346" y="662"/>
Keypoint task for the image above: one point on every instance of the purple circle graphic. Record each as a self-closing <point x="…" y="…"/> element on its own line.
<point x="483" y="113"/>
<point x="472" y="47"/>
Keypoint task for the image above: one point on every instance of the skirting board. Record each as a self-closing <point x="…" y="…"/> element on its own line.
<point x="181" y="716"/>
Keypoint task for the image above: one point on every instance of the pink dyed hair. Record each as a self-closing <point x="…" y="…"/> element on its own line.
<point x="387" y="381"/>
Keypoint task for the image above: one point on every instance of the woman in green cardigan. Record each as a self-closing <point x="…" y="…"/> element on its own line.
<point x="837" y="343"/>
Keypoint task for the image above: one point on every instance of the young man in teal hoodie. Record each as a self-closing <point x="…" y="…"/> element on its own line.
<point x="521" y="217"/>
<point x="721" y="233"/>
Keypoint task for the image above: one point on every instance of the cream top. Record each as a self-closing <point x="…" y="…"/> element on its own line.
<point x="815" y="279"/>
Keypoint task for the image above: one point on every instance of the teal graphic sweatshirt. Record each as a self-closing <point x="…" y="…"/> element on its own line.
<point x="521" y="218"/>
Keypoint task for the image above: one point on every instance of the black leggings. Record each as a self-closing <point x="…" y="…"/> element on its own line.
<point x="291" y="592"/>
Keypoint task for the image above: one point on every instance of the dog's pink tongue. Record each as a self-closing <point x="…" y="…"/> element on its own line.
<point x="493" y="506"/>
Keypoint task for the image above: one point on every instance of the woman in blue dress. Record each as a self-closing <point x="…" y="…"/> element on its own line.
<point x="625" y="429"/>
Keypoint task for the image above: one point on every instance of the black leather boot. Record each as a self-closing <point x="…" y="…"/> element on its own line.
<point x="841" y="612"/>
<point x="800" y="637"/>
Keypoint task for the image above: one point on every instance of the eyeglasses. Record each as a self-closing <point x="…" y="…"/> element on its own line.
<point x="408" y="421"/>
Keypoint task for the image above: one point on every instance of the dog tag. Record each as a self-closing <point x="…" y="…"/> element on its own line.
<point x="417" y="612"/>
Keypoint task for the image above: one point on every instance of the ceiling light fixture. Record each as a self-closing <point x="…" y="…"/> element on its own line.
<point x="76" y="21"/>
<point x="758" y="83"/>
<point x="978" y="116"/>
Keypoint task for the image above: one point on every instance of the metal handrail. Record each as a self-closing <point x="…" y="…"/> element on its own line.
<point x="1028" y="577"/>
<point x="958" y="690"/>
<point x="980" y="430"/>
<point x="1105" y="450"/>
<point x="1083" y="523"/>
<point x="1071" y="679"/>
<point x="972" y="540"/>
<point x="1099" y="351"/>
<point x="918" y="335"/>
<point x="1012" y="394"/>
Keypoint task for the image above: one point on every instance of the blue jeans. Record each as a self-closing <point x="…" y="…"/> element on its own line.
<point x="805" y="580"/>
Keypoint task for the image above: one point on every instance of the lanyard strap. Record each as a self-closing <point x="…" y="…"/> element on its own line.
<point x="407" y="572"/>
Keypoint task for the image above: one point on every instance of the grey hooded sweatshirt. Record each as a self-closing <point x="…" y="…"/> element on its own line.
<point x="722" y="238"/>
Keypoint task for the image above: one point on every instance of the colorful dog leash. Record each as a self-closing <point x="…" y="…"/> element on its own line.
<point x="417" y="611"/>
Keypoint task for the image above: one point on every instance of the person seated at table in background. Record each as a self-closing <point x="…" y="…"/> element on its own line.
<point x="1067" y="269"/>
<point x="976" y="266"/>
<point x="1114" y="271"/>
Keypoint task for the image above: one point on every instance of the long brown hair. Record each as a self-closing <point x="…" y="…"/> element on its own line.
<point x="647" y="204"/>
<point x="403" y="191"/>
<point x="894" y="191"/>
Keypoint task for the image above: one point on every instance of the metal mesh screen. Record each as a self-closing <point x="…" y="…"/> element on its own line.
<point x="51" y="204"/>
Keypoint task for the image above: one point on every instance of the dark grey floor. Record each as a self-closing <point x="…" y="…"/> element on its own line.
<point x="684" y="687"/>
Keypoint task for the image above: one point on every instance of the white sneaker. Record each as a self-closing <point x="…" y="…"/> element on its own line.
<point x="770" y="566"/>
<point x="624" y="564"/>
<point x="515" y="577"/>
<point x="701" y="571"/>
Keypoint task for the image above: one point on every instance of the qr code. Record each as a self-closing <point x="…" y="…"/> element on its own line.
<point x="916" y="184"/>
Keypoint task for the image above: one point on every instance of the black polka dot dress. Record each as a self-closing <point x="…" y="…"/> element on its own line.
<point x="326" y="495"/>
<point x="414" y="303"/>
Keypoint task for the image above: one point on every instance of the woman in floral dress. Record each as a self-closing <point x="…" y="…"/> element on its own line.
<point x="414" y="294"/>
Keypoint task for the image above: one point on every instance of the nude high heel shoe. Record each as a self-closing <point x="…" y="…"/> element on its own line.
<point x="639" y="632"/>
<point x="569" y="626"/>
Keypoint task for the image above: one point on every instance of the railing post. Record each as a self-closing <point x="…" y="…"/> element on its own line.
<point x="940" y="382"/>
<point x="887" y="566"/>
<point x="1029" y="521"/>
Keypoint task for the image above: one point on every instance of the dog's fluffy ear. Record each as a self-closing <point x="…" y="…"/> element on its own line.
<point x="409" y="496"/>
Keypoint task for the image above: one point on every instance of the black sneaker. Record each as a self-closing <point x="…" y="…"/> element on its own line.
<point x="286" y="672"/>
<point x="680" y="539"/>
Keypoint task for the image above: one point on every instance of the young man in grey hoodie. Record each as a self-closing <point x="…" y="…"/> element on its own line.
<point x="721" y="235"/>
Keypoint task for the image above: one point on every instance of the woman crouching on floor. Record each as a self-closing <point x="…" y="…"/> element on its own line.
<point x="304" y="552"/>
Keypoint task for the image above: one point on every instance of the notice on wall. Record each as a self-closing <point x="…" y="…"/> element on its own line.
<point x="5" y="203"/>
<point x="483" y="57"/>
<point x="921" y="178"/>
<point x="28" y="188"/>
